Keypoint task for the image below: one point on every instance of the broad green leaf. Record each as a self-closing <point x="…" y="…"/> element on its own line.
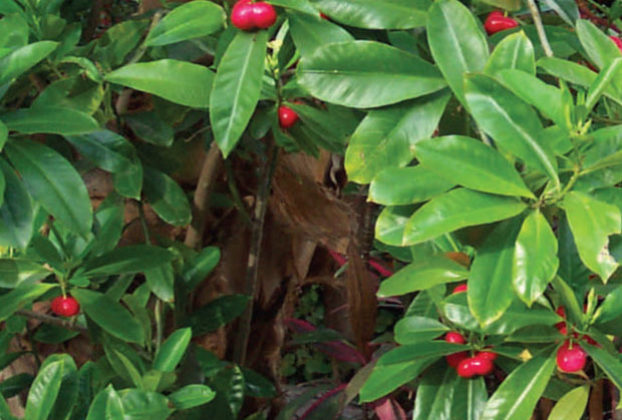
<point x="126" y="260"/>
<point x="118" y="41"/>
<point x="511" y="5"/>
<point x="166" y="197"/>
<point x="572" y="405"/>
<point x="16" y="213"/>
<point x="74" y="92"/>
<point x="442" y="394"/>
<point x="129" y="369"/>
<point x="470" y="163"/>
<point x="565" y="9"/>
<point x="44" y="391"/>
<point x="298" y="5"/>
<point x="513" y="52"/>
<point x="591" y="222"/>
<point x="144" y="405"/>
<point x="172" y="350"/>
<point x="469" y="398"/>
<point x="436" y="348"/>
<point x="490" y="289"/>
<point x="510" y="122"/>
<point x="8" y="273"/>
<point x="386" y="378"/>
<point x="129" y="182"/>
<point x="199" y="266"/>
<point x="311" y="31"/>
<point x="370" y="14"/>
<point x="22" y="59"/>
<point x="609" y="363"/>
<point x="414" y="329"/>
<point x="106" y="149"/>
<point x="237" y="87"/>
<point x="385" y="138"/>
<point x="149" y="127"/>
<point x="391" y="223"/>
<point x="65" y="121"/>
<point x="399" y="186"/>
<point x="535" y="258"/>
<point x="364" y="74"/>
<point x="22" y="295"/>
<point x="610" y="309"/>
<point x="110" y="315"/>
<point x="54" y="182"/>
<point x="107" y="405"/>
<point x="217" y="313"/>
<point x="606" y="149"/>
<point x="422" y="275"/>
<point x="229" y="387"/>
<point x="191" y="20"/>
<point x="161" y="281"/>
<point x="519" y="393"/>
<point x="606" y="77"/>
<point x="177" y="81"/>
<point x="456" y="209"/>
<point x="457" y="43"/>
<point x="66" y="399"/>
<point x="599" y="48"/>
<point x="13" y="30"/>
<point x="191" y="396"/>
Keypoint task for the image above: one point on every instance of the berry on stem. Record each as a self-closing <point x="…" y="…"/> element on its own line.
<point x="617" y="41"/>
<point x="247" y="15"/>
<point x="489" y="355"/>
<point x="264" y="15"/>
<point x="455" y="337"/>
<point x="571" y="357"/>
<point x="287" y="116"/>
<point x="497" y="22"/>
<point x="459" y="288"/>
<point x="65" y="306"/>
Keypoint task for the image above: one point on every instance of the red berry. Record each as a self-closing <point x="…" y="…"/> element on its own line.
<point x="590" y="340"/>
<point x="323" y="16"/>
<point x="489" y="355"/>
<point x="561" y="326"/>
<point x="571" y="357"/>
<point x="264" y="15"/>
<point x="454" y="359"/>
<point x="287" y="116"/>
<point x="481" y="365"/>
<point x="496" y="22"/>
<point x="65" y="306"/>
<point x="617" y="41"/>
<point x="242" y="15"/>
<point x="460" y="288"/>
<point x="465" y="368"/>
<point x="454" y="337"/>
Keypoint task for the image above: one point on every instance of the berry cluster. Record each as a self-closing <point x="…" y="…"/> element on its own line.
<point x="248" y="16"/>
<point x="467" y="367"/>
<point x="570" y="356"/>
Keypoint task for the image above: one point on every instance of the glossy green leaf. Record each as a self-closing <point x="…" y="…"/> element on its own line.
<point x="22" y="59"/>
<point x="591" y="222"/>
<point x="422" y="275"/>
<point x="605" y="150"/>
<point x="610" y="309"/>
<point x="191" y="20"/>
<point x="515" y="51"/>
<point x="4" y="134"/>
<point x="144" y="405"/>
<point x="118" y="41"/>
<point x="311" y="31"/>
<point x="391" y="223"/>
<point x="237" y="87"/>
<point x="369" y="14"/>
<point x="191" y="396"/>
<point x="149" y="127"/>
<point x="519" y="393"/>
<point x="470" y="163"/>
<point x="51" y="120"/>
<point x="172" y="350"/>
<point x="456" y="209"/>
<point x="129" y="182"/>
<point x="385" y="138"/>
<point x="161" y="281"/>
<point x="414" y="329"/>
<point x="177" y="81"/>
<point x="65" y="401"/>
<point x="217" y="313"/>
<point x="599" y="48"/>
<point x="572" y="405"/>
<point x="607" y="76"/>
<point x="229" y="387"/>
<point x="106" y="149"/>
<point x="490" y="289"/>
<point x="427" y="349"/>
<point x="21" y="296"/>
<point x="469" y="398"/>
<point x="16" y="213"/>
<point x="457" y="43"/>
<point x="386" y="378"/>
<point x="166" y="197"/>
<point x="535" y="258"/>
<point x="54" y="182"/>
<point x="13" y="30"/>
<point x="44" y="391"/>
<point x="399" y="186"/>
<point x="126" y="260"/>
<point x="74" y="92"/>
<point x="565" y="9"/>
<point x="511" y="122"/>
<point x="200" y="265"/>
<point x="609" y="363"/>
<point x="107" y="405"/>
<point x="110" y="315"/>
<point x="364" y="74"/>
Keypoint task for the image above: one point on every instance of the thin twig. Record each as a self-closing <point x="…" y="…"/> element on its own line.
<point x="47" y="319"/>
<point x="535" y="14"/>
<point x="254" y="254"/>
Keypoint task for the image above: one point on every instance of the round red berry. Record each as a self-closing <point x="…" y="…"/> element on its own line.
<point x="460" y="288"/>
<point x="571" y="357"/>
<point x="454" y="359"/>
<point x="242" y="15"/>
<point x="489" y="355"/>
<point x="65" y="306"/>
<point x="481" y="365"/>
<point x="496" y="22"/>
<point x="466" y="369"/>
<point x="455" y="337"/>
<point x="287" y="116"/>
<point x="264" y="15"/>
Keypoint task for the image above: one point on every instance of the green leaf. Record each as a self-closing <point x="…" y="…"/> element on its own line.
<point x="456" y="209"/>
<point x="365" y="74"/>
<point x="177" y="81"/>
<point x="399" y="186"/>
<point x="151" y="128"/>
<point x="572" y="405"/>
<point x="490" y="290"/>
<point x="386" y="378"/>
<point x="129" y="182"/>
<point x="391" y="223"/>
<point x="535" y="258"/>
<point x="217" y="313"/>
<point x="599" y="48"/>
<point x="229" y="387"/>
<point x="4" y="134"/>
<point x="51" y="120"/>
<point x="469" y="398"/>
<point x="470" y="163"/>
<point x="567" y="10"/>
<point x="610" y="309"/>
<point x="166" y="197"/>
<point x="106" y="149"/>
<point x="191" y="396"/>
<point x="191" y="20"/>
<point x="609" y="363"/>
<point x="22" y="59"/>
<point x="510" y="121"/>
<point x="606" y="77"/>
<point x="107" y="405"/>
<point x="422" y="275"/>
<point x="385" y="138"/>
<point x="110" y="315"/>
<point x="65" y="401"/>
<point x="591" y="222"/>
<point x="20" y="296"/>
<point x="310" y="32"/>
<point x="605" y="150"/>
<point x="74" y="93"/>
<point x="513" y="52"/>
<point x="43" y="391"/>
<point x="519" y="393"/>
<point x="126" y="260"/>
<point x="457" y="43"/>
<point x="237" y="87"/>
<point x="144" y="405"/>
<point x="172" y="350"/>
<point x="427" y="349"/>
<point x="16" y="213"/>
<point x="414" y="329"/>
<point x="369" y="14"/>
<point x="161" y="281"/>
<point x="54" y="182"/>
<point x="439" y="395"/>
<point x="200" y="265"/>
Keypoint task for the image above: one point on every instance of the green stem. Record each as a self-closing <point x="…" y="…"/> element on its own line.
<point x="535" y="14"/>
<point x="143" y="223"/>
